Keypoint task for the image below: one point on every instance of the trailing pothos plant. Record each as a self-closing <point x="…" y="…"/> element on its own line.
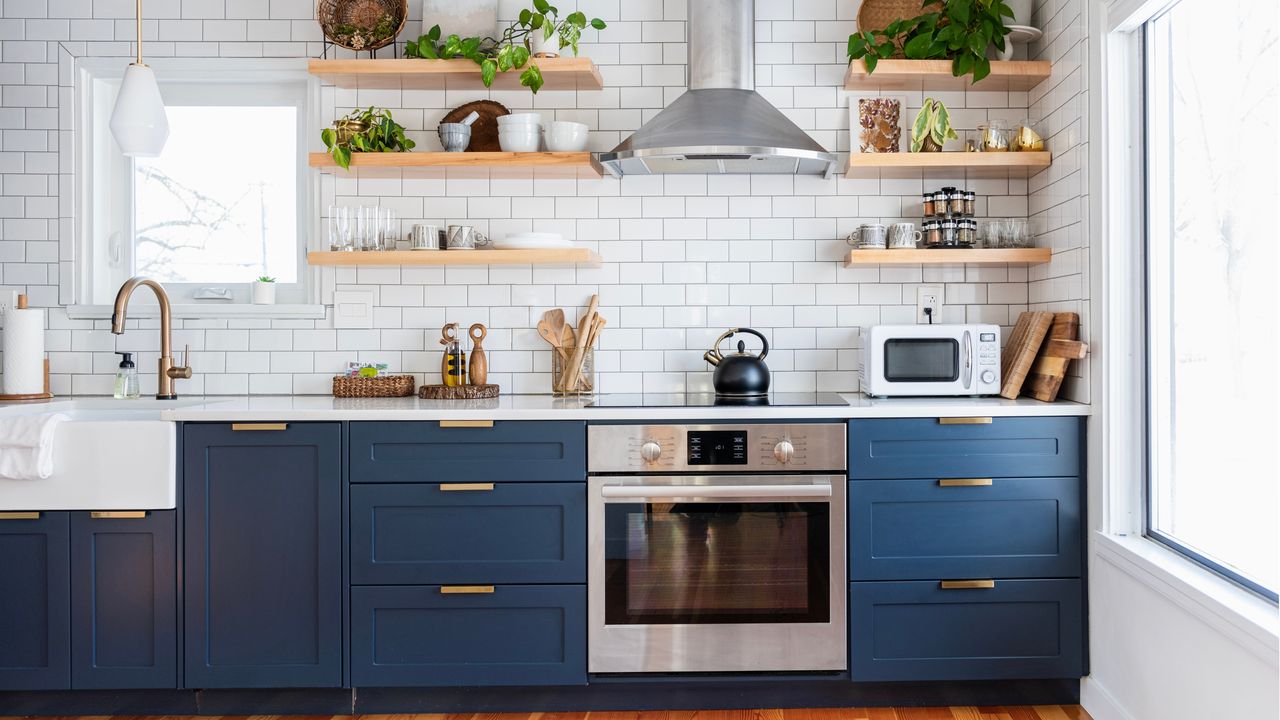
<point x="370" y="130"/>
<point x="957" y="30"/>
<point x="511" y="51"/>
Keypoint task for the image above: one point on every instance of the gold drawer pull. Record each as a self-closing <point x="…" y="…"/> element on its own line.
<point x="118" y="514"/>
<point x="456" y="487"/>
<point x="964" y="482"/>
<point x="466" y="589"/>
<point x="967" y="584"/>
<point x="19" y="516"/>
<point x="466" y="423"/>
<point x="259" y="426"/>
<point x="964" y="421"/>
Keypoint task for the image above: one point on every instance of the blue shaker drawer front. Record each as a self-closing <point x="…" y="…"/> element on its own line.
<point x="926" y="529"/>
<point x="932" y="448"/>
<point x="1017" y="629"/>
<point x="504" y="635"/>
<point x="504" y="452"/>
<point x="468" y="533"/>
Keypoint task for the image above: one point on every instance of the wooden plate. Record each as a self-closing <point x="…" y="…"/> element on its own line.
<point x="484" y="131"/>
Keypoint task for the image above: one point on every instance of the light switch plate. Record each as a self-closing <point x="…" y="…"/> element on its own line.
<point x="353" y="309"/>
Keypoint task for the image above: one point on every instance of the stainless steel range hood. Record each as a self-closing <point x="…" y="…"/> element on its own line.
<point x="721" y="125"/>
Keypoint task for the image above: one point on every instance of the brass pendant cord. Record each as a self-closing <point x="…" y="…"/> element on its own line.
<point x="138" y="16"/>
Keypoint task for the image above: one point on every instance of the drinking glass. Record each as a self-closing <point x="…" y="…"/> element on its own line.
<point x="340" y="228"/>
<point x="388" y="228"/>
<point x="1019" y="233"/>
<point x="368" y="232"/>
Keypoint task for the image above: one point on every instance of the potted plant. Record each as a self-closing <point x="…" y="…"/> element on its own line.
<point x="957" y="30"/>
<point x="264" y="291"/>
<point x="370" y="130"/>
<point x="537" y="30"/>
<point x="932" y="127"/>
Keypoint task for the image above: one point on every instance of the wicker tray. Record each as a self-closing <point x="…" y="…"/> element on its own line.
<point x="364" y="14"/>
<point x="877" y="14"/>
<point x="374" y="387"/>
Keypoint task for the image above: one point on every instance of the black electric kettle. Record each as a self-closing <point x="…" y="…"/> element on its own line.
<point x="739" y="374"/>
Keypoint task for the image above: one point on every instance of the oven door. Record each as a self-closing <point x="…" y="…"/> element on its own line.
<point x="716" y="573"/>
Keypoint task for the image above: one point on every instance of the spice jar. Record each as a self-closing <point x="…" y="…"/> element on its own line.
<point x="927" y="200"/>
<point x="966" y="232"/>
<point x="970" y="202"/>
<point x="931" y="233"/>
<point x="948" y="230"/>
<point x="955" y="202"/>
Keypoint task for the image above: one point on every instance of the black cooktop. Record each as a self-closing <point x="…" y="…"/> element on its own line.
<point x="678" y="400"/>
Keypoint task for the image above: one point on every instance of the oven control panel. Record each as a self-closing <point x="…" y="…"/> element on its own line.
<point x="707" y="448"/>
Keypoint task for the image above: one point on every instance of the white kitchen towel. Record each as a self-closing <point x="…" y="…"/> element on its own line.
<point x="26" y="446"/>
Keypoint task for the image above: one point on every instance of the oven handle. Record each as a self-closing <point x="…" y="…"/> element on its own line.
<point x="702" y="491"/>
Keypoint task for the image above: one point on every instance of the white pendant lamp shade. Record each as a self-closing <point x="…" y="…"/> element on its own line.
<point x="138" y="121"/>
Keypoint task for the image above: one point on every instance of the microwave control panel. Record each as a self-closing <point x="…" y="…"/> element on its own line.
<point x="711" y="448"/>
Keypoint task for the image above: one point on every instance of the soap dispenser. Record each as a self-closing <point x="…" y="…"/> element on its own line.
<point x="126" y="378"/>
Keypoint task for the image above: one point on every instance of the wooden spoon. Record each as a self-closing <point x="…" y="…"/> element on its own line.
<point x="568" y="338"/>
<point x="555" y="318"/>
<point x="547" y="333"/>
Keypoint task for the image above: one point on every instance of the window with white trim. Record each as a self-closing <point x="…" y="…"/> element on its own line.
<point x="228" y="201"/>
<point x="1211" y="285"/>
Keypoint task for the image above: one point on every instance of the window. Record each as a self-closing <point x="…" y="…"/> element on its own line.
<point x="228" y="200"/>
<point x="1211" y="192"/>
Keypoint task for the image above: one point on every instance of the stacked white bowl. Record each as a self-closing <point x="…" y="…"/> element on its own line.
<point x="520" y="132"/>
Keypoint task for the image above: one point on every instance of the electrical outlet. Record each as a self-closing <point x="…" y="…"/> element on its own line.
<point x="928" y="296"/>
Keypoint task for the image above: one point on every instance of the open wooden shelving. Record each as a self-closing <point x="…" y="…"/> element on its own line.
<point x="930" y="256"/>
<point x="974" y="164"/>
<point x="545" y="256"/>
<point x="936" y="75"/>
<point x="547" y="164"/>
<point x="565" y="73"/>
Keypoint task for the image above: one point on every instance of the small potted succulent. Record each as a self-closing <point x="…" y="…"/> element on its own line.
<point x="932" y="127"/>
<point x="264" y="291"/>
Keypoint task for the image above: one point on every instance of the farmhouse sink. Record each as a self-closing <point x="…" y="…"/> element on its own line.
<point x="109" y="455"/>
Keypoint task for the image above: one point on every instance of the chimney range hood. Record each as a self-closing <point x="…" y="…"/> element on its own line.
<point x="721" y="125"/>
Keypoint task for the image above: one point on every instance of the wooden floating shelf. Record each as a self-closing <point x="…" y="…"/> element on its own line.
<point x="936" y="75"/>
<point x="975" y="164"/>
<point x="565" y="73"/>
<point x="928" y="256"/>
<point x="547" y="256"/>
<point x="547" y="164"/>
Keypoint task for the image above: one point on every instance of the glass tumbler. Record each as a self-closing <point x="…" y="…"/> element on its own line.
<point x="368" y="232"/>
<point x="388" y="228"/>
<point x="339" y="226"/>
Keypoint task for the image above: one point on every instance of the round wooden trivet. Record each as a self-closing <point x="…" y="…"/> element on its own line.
<point x="457" y="392"/>
<point x="484" y="131"/>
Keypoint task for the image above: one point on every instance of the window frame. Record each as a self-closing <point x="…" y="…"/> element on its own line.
<point x="297" y="300"/>
<point x="1149" y="308"/>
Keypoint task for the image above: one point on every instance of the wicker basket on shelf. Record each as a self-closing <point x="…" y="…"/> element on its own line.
<point x="362" y="25"/>
<point x="877" y="14"/>
<point x="374" y="387"/>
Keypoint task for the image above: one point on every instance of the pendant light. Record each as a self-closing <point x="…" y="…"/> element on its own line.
<point x="138" y="121"/>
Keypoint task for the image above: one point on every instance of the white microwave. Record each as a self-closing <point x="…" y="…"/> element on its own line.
<point x="916" y="360"/>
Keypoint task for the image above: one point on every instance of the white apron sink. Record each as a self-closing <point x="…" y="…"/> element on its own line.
<point x="109" y="455"/>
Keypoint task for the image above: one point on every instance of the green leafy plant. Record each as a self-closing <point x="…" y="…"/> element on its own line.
<point x="371" y="130"/>
<point x="957" y="30"/>
<point x="265" y="279"/>
<point x="511" y="51"/>
<point x="932" y="127"/>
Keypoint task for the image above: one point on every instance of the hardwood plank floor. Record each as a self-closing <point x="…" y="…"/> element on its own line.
<point x="1021" y="712"/>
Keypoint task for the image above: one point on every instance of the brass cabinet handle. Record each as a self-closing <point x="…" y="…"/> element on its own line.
<point x="964" y="421"/>
<point x="259" y="426"/>
<point x="967" y="584"/>
<point x="118" y="514"/>
<point x="466" y="423"/>
<point x="19" y="516"/>
<point x="964" y="482"/>
<point x="455" y="487"/>
<point x="466" y="589"/>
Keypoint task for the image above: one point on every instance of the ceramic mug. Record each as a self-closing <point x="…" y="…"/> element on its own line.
<point x="425" y="237"/>
<point x="872" y="235"/>
<point x="465" y="237"/>
<point x="904" y="235"/>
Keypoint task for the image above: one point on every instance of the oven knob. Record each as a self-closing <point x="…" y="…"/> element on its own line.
<point x="988" y="377"/>
<point x="650" y="451"/>
<point x="784" y="451"/>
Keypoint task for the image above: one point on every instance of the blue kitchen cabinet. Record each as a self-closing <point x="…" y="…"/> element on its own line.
<point x="35" y="597"/>
<point x="441" y="452"/>
<point x="124" y="615"/>
<point x="960" y="447"/>
<point x="263" y="555"/>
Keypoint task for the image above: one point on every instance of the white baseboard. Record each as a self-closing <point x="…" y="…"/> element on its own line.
<point x="1100" y="703"/>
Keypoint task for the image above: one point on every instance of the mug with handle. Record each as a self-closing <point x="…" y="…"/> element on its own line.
<point x="425" y="237"/>
<point x="465" y="237"/>
<point x="872" y="235"/>
<point x="904" y="236"/>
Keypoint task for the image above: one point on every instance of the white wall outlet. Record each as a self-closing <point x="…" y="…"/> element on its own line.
<point x="928" y="296"/>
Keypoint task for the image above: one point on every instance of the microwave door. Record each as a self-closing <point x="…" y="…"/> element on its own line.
<point x="967" y="360"/>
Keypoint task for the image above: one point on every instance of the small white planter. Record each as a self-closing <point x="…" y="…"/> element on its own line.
<point x="264" y="293"/>
<point x="542" y="46"/>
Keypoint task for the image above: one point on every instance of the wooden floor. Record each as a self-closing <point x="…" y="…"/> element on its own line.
<point x="1038" y="712"/>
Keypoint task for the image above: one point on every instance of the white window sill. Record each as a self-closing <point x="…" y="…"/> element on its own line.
<point x="1249" y="620"/>
<point x="202" y="311"/>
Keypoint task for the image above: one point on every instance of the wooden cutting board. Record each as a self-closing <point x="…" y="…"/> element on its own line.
<point x="1020" y="352"/>
<point x="1059" y="349"/>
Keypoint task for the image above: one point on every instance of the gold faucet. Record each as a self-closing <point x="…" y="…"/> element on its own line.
<point x="168" y="371"/>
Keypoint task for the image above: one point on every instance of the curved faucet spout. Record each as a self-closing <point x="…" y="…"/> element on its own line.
<point x="168" y="371"/>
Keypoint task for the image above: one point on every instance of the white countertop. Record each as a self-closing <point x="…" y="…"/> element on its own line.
<point x="302" y="408"/>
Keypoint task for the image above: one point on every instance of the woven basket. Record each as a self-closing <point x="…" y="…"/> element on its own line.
<point x="381" y="386"/>
<point x="877" y="14"/>
<point x="364" y="14"/>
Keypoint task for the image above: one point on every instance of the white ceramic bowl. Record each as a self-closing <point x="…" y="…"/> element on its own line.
<point x="519" y="119"/>
<point x="519" y="139"/>
<point x="565" y="136"/>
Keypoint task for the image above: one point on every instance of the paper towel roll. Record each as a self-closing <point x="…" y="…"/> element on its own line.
<point x="23" y="351"/>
